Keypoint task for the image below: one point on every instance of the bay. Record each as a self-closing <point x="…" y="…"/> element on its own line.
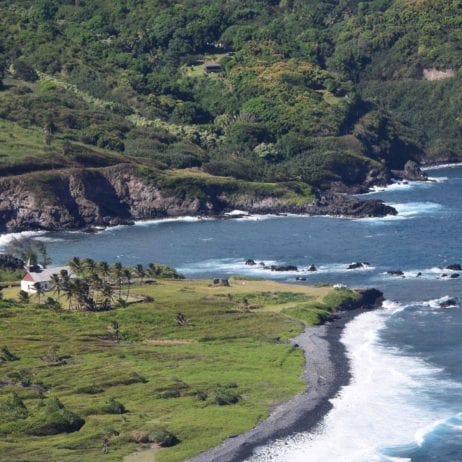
<point x="405" y="399"/>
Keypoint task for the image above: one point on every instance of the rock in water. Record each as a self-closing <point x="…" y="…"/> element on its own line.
<point x="395" y="273"/>
<point x="283" y="268"/>
<point x="447" y="303"/>
<point x="358" y="265"/>
<point x="454" y="267"/>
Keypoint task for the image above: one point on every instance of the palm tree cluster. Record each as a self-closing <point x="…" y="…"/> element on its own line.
<point x="80" y="293"/>
<point x="98" y="284"/>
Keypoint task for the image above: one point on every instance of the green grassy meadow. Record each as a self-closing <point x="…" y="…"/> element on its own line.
<point x="169" y="376"/>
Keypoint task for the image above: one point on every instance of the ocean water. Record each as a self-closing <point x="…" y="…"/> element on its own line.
<point x="404" y="402"/>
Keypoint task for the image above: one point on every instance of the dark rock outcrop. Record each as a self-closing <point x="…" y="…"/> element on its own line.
<point x="341" y="205"/>
<point x="447" y="303"/>
<point x="411" y="172"/>
<point x="454" y="267"/>
<point x="357" y="265"/>
<point x="368" y="299"/>
<point x="395" y="273"/>
<point x="455" y="276"/>
<point x="282" y="268"/>
<point x="250" y="262"/>
<point x="312" y="268"/>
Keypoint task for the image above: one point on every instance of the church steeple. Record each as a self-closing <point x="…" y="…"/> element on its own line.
<point x="30" y="267"/>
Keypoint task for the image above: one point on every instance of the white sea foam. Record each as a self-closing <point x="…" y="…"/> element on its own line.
<point x="437" y="302"/>
<point x="405" y="185"/>
<point x="159" y="221"/>
<point x="422" y="433"/>
<point x="237" y="266"/>
<point x="380" y="408"/>
<point x="258" y="217"/>
<point x="50" y="239"/>
<point x="5" y="239"/>
<point x="405" y="211"/>
<point x="440" y="167"/>
<point x="393" y="307"/>
<point x="412" y="209"/>
<point x="447" y="427"/>
<point x="438" y="179"/>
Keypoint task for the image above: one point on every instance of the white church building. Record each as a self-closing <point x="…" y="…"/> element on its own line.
<point x="36" y="274"/>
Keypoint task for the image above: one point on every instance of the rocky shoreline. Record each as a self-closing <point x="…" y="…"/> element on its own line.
<point x="326" y="371"/>
<point x="124" y="199"/>
<point x="118" y="196"/>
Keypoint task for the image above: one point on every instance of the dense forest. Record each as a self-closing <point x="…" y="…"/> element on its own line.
<point x="308" y="92"/>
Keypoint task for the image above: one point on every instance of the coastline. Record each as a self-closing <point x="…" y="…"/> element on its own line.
<point x="326" y="371"/>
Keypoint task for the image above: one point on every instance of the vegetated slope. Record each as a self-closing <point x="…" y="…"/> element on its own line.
<point x="311" y="93"/>
<point x="406" y="56"/>
<point x="184" y="372"/>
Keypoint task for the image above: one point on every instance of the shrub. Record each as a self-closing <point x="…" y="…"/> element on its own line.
<point x="22" y="377"/>
<point x="201" y="395"/>
<point x="163" y="438"/>
<point x="113" y="407"/>
<point x="13" y="409"/>
<point x="52" y="418"/>
<point x="170" y="393"/>
<point x="224" y="397"/>
<point x="23" y="296"/>
<point x="90" y="390"/>
<point x="6" y="355"/>
<point x="24" y="71"/>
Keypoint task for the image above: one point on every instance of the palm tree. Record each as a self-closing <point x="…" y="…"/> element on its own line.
<point x="56" y="282"/>
<point x="117" y="271"/>
<point x="89" y="265"/>
<point x="80" y="290"/>
<point x="104" y="270"/>
<point x="128" y="276"/>
<point x="76" y="266"/>
<point x="45" y="260"/>
<point x="67" y="287"/>
<point x="107" y="292"/>
<point x="96" y="284"/>
<point x="152" y="270"/>
<point x="139" y="272"/>
<point x="39" y="290"/>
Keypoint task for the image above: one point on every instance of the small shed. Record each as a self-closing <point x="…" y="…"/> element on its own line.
<point x="213" y="68"/>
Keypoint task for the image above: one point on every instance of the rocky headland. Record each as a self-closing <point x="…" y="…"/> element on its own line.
<point x="114" y="195"/>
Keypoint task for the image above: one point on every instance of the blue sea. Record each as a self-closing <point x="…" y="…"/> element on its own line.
<point x="404" y="402"/>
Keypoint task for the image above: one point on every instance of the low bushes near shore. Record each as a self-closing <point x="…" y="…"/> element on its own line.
<point x="185" y="387"/>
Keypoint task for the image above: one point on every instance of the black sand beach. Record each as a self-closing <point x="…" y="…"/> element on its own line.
<point x="326" y="371"/>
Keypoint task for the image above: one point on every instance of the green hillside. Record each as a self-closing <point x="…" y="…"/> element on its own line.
<point x="313" y="92"/>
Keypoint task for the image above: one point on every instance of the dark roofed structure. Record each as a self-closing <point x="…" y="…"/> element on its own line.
<point x="210" y="68"/>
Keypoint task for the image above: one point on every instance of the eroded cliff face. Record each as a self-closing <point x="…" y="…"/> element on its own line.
<point x="83" y="198"/>
<point x="118" y="195"/>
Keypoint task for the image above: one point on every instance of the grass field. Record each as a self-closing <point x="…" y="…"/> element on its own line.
<point x="170" y="376"/>
<point x="18" y="142"/>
